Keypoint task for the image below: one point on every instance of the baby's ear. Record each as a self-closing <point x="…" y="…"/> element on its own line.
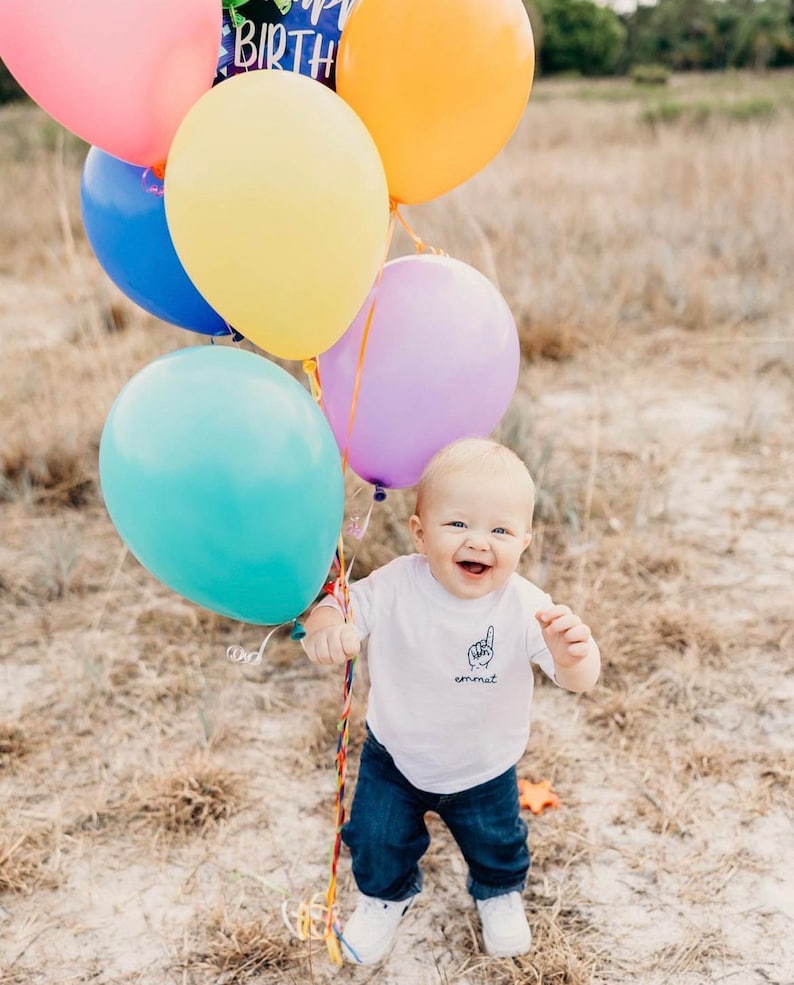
<point x="417" y="533"/>
<point x="527" y="540"/>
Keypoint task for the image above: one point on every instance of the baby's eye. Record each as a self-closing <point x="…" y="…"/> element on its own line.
<point x="500" y="530"/>
<point x="459" y="524"/>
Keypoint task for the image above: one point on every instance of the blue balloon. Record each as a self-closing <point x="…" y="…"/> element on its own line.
<point x="288" y="35"/>
<point x="222" y="476"/>
<point x="127" y="230"/>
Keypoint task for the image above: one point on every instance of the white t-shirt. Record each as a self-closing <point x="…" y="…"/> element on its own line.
<point x="451" y="681"/>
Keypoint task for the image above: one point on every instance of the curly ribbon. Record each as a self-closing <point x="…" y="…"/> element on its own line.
<point x="238" y="654"/>
<point x="355" y="527"/>
<point x="304" y="923"/>
<point x="421" y="246"/>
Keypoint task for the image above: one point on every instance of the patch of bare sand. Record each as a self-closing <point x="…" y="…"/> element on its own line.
<point x="33" y="314"/>
<point x="697" y="888"/>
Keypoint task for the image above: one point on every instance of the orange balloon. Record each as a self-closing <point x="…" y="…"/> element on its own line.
<point x="440" y="84"/>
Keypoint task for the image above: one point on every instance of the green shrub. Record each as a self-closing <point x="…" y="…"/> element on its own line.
<point x="662" y="113"/>
<point x="650" y="74"/>
<point x="697" y="115"/>
<point x="750" y="109"/>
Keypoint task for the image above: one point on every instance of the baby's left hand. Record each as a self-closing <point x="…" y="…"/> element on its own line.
<point x="566" y="636"/>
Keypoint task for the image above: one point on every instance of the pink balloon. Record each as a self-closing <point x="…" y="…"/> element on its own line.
<point x="121" y="74"/>
<point x="441" y="363"/>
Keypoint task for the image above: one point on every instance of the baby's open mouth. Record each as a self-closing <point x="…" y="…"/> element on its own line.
<point x="474" y="567"/>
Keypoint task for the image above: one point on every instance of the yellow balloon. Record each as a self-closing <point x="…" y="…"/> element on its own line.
<point x="277" y="204"/>
<point x="441" y="85"/>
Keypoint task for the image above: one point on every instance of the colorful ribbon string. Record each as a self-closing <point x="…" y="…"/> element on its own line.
<point x="309" y="913"/>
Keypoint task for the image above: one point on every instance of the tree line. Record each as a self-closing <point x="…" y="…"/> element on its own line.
<point x="582" y="37"/>
<point x="578" y="36"/>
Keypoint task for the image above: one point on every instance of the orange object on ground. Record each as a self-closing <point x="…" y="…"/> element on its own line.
<point x="537" y="796"/>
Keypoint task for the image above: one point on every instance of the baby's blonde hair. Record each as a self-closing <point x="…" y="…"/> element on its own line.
<point x="474" y="455"/>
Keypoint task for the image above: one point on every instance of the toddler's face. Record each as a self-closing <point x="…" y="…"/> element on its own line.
<point x="473" y="530"/>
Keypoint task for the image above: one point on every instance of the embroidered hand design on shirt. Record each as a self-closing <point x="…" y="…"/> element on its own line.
<point x="481" y="652"/>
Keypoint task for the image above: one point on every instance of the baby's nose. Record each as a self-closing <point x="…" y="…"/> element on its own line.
<point x="478" y="540"/>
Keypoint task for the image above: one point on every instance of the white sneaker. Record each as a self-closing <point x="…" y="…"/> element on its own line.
<point x="505" y="931"/>
<point x="369" y="933"/>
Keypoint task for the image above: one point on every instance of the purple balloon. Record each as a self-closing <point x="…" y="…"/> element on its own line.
<point x="441" y="363"/>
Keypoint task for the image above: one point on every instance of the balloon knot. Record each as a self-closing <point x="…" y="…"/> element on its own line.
<point x="379" y="494"/>
<point x="152" y="182"/>
<point x="298" y="632"/>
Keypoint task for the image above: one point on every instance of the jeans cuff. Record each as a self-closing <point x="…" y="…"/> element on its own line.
<point x="480" y="891"/>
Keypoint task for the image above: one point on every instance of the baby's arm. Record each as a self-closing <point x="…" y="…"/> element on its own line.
<point x="329" y="639"/>
<point x="577" y="659"/>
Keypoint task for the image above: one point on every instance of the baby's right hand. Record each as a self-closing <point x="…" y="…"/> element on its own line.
<point x="332" y="644"/>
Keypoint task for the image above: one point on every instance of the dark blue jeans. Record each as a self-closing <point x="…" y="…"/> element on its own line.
<point x="387" y="834"/>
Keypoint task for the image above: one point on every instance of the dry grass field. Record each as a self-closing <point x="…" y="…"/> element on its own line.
<point x="159" y="804"/>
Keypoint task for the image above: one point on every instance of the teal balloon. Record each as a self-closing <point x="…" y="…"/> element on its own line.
<point x="222" y="476"/>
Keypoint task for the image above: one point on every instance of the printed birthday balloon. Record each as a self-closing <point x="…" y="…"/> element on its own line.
<point x="288" y="35"/>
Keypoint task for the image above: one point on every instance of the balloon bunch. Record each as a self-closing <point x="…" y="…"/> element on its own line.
<point x="260" y="204"/>
<point x="233" y="201"/>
